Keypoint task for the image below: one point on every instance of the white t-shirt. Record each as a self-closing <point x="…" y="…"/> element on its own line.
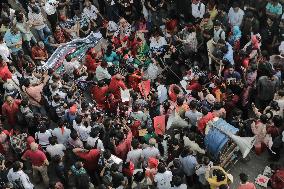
<point x="236" y="18"/>
<point x="50" y="7"/>
<point x="198" y="10"/>
<point x="69" y="67"/>
<point x="57" y="149"/>
<point x="102" y="73"/>
<point x="150" y="152"/>
<point x="163" y="180"/>
<point x="20" y="175"/>
<point x="4" y="52"/>
<point x="43" y="137"/>
<point x="91" y="12"/>
<point x="162" y="93"/>
<point x="135" y="157"/>
<point x="84" y="132"/>
<point x="62" y="138"/>
<point x="155" y="45"/>
<point x="92" y="142"/>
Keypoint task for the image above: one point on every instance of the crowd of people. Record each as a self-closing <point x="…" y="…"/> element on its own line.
<point x="104" y="121"/>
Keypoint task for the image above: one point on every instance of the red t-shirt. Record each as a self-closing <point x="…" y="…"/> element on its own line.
<point x="203" y="121"/>
<point x="37" y="157"/>
<point x="91" y="64"/>
<point x="11" y="111"/>
<point x="5" y="73"/>
<point x="123" y="148"/>
<point x="114" y="87"/>
<point x="99" y="95"/>
<point x="91" y="159"/>
<point x="247" y="185"/>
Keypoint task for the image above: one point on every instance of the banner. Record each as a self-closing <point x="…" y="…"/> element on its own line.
<point x="160" y="124"/>
<point x="75" y="48"/>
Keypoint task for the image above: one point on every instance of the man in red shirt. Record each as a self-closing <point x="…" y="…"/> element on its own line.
<point x="10" y="109"/>
<point x="116" y="84"/>
<point x="124" y="145"/>
<point x="99" y="93"/>
<point x="39" y="162"/>
<point x="244" y="182"/>
<point x="90" y="157"/>
<point x="4" y="71"/>
<point x="91" y="61"/>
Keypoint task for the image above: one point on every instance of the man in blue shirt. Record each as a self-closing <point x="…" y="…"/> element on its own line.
<point x="13" y="39"/>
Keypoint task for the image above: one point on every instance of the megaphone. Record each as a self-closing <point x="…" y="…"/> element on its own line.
<point x="245" y="144"/>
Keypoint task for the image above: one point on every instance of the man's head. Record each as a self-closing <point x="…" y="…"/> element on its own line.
<point x="9" y="100"/>
<point x="34" y="146"/>
<point x="236" y="6"/>
<point x="52" y="140"/>
<point x="243" y="177"/>
<point x="35" y="9"/>
<point x="17" y="166"/>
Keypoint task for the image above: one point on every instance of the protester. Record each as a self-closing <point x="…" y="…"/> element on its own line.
<point x="137" y="94"/>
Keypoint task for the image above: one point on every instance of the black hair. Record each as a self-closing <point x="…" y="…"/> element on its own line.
<point x="177" y="181"/>
<point x="74" y="135"/>
<point x="263" y="118"/>
<point x="161" y="168"/>
<point x="17" y="166"/>
<point x="135" y="143"/>
<point x="243" y="177"/>
<point x="219" y="174"/>
<point x="52" y="140"/>
<point x="193" y="104"/>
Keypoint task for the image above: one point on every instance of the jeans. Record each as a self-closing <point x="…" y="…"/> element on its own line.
<point x="43" y="33"/>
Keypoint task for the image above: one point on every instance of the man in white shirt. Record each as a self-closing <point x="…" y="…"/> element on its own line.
<point x="38" y="22"/>
<point x="219" y="33"/>
<point x="150" y="151"/>
<point x="163" y="178"/>
<point x="17" y="176"/>
<point x="55" y="149"/>
<point x="50" y="8"/>
<point x="235" y="15"/>
<point x="102" y="72"/>
<point x="4" y="50"/>
<point x="162" y="92"/>
<point x="70" y="65"/>
<point x="135" y="154"/>
<point x="91" y="12"/>
<point x="94" y="141"/>
<point x="61" y="133"/>
<point x="197" y="9"/>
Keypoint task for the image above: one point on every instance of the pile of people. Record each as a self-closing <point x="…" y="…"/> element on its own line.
<point x="106" y="120"/>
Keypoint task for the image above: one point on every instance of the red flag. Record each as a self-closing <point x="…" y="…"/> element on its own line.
<point x="160" y="124"/>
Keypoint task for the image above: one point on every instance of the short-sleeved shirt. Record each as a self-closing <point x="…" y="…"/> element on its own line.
<point x="34" y="94"/>
<point x="163" y="180"/>
<point x="91" y="158"/>
<point x="57" y="149"/>
<point x="37" y="157"/>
